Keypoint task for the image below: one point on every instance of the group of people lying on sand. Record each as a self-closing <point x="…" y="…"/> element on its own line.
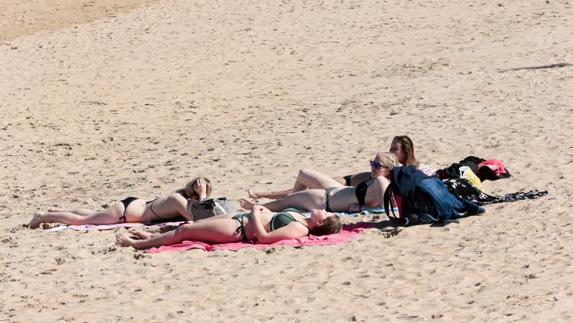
<point x="280" y="219"/>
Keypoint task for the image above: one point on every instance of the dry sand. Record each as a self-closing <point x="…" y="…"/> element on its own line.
<point x="246" y="93"/>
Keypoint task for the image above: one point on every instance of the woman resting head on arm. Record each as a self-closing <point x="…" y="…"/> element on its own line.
<point x="260" y="225"/>
<point x="131" y="209"/>
<point x="198" y="189"/>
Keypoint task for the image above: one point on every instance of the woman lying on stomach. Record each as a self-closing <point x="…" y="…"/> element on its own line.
<point x="260" y="225"/>
<point x="132" y="209"/>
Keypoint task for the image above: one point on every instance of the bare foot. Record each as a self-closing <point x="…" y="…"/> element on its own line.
<point x="36" y="220"/>
<point x="143" y="235"/>
<point x="252" y="194"/>
<point x="123" y="240"/>
<point x="54" y="210"/>
<point x="247" y="204"/>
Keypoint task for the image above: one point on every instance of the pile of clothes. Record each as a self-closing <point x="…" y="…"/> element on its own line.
<point x="448" y="194"/>
<point x="464" y="179"/>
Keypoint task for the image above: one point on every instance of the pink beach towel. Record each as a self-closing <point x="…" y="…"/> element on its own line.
<point x="344" y="236"/>
<point x="101" y="227"/>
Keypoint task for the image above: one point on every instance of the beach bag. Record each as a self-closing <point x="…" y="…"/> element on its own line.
<point x="491" y="169"/>
<point x="423" y="199"/>
<point x="207" y="208"/>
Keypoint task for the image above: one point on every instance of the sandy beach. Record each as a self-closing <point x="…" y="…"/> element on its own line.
<point x="104" y="99"/>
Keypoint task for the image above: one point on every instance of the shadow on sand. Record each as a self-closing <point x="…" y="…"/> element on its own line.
<point x="536" y="67"/>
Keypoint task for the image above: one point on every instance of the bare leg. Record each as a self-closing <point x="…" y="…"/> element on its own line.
<point x="309" y="179"/>
<point x="269" y="195"/>
<point x="305" y="200"/>
<point x="340" y="180"/>
<point x="108" y="216"/>
<point x="306" y="179"/>
<point x="217" y="230"/>
<point x="82" y="212"/>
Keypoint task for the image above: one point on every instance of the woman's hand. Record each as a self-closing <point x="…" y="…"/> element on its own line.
<point x="200" y="187"/>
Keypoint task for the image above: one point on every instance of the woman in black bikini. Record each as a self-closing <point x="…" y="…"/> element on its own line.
<point x="401" y="146"/>
<point x="260" y="225"/>
<point x="314" y="190"/>
<point x="132" y="209"/>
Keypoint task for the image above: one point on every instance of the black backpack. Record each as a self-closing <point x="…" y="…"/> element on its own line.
<point x="424" y="199"/>
<point x="415" y="209"/>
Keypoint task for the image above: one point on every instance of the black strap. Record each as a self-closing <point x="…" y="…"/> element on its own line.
<point x="388" y="195"/>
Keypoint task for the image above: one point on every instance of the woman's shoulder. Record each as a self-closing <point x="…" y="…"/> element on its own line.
<point x="179" y="195"/>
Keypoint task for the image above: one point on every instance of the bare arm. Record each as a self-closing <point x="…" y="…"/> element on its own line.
<point x="181" y="206"/>
<point x="381" y="185"/>
<point x="355" y="179"/>
<point x="291" y="231"/>
<point x="359" y="178"/>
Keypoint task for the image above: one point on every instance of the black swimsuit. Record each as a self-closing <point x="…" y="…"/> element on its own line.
<point x="360" y="191"/>
<point x="126" y="202"/>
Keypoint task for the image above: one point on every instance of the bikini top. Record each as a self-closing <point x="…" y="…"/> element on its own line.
<point x="361" y="192"/>
<point x="283" y="218"/>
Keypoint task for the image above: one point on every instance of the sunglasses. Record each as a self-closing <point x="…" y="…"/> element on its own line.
<point x="376" y="165"/>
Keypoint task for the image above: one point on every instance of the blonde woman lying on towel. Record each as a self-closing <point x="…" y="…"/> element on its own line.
<point x="401" y="146"/>
<point x="314" y="190"/>
<point x="260" y="225"/>
<point x="132" y="209"/>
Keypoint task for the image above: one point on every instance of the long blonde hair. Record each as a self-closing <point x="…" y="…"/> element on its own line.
<point x="388" y="160"/>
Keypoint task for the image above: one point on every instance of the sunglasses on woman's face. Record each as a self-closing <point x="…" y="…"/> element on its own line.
<point x="376" y="165"/>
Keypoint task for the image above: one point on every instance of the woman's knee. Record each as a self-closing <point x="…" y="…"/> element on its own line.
<point x="307" y="171"/>
<point x="305" y="174"/>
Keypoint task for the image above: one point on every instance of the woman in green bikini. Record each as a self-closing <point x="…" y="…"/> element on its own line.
<point x="260" y="225"/>
<point x="132" y="209"/>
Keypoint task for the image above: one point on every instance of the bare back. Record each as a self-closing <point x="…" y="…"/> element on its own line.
<point x="165" y="207"/>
